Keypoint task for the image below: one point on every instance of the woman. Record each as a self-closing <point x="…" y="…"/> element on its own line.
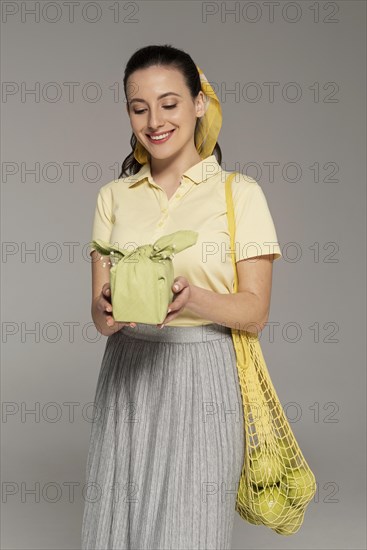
<point x="167" y="447"/>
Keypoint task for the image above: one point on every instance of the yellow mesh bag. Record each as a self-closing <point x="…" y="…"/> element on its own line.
<point x="276" y="483"/>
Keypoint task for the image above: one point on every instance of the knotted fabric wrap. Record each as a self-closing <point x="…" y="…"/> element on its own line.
<point x="208" y="128"/>
<point x="141" y="279"/>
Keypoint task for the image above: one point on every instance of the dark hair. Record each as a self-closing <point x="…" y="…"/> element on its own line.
<point x="162" y="55"/>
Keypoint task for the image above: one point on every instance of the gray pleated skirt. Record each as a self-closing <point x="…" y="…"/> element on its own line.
<point x="167" y="441"/>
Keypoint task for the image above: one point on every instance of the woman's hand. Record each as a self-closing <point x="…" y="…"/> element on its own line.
<point x="103" y="305"/>
<point x="182" y="296"/>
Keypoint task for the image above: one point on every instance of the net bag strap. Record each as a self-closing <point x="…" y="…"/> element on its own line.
<point x="255" y="398"/>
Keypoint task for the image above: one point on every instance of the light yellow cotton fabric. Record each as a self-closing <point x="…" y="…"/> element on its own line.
<point x="134" y="211"/>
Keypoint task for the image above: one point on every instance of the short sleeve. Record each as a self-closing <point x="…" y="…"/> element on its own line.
<point x="255" y="231"/>
<point x="103" y="219"/>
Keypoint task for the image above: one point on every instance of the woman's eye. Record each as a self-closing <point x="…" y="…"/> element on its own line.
<point x="164" y="106"/>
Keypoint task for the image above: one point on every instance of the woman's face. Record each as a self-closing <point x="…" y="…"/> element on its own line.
<point x="175" y="113"/>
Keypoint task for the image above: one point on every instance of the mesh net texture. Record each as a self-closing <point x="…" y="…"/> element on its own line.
<point x="276" y="483"/>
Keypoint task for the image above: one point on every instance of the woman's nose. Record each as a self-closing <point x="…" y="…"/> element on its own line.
<point x="155" y="119"/>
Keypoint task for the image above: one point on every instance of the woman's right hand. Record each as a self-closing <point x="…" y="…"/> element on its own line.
<point x="103" y="305"/>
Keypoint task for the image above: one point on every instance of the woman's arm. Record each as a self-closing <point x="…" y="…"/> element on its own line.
<point x="248" y="309"/>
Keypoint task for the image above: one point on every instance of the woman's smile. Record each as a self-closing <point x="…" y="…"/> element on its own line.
<point x="157" y="139"/>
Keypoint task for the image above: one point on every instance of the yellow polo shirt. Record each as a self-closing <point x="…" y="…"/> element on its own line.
<point x="134" y="211"/>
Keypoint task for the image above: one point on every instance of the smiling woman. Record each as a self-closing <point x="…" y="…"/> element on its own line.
<point x="167" y="477"/>
<point x="164" y="121"/>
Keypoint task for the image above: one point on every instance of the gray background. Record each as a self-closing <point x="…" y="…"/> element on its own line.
<point x="317" y="356"/>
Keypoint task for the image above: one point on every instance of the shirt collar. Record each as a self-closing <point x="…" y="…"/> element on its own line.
<point x="198" y="173"/>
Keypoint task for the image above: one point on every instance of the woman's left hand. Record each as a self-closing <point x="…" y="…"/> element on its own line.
<point x="180" y="299"/>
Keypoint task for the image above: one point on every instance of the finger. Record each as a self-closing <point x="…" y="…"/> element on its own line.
<point x="178" y="302"/>
<point x="179" y="284"/>
<point x="168" y="318"/>
<point x="118" y="324"/>
<point x="115" y="326"/>
<point x="106" y="289"/>
<point x="173" y="312"/>
<point x="104" y="306"/>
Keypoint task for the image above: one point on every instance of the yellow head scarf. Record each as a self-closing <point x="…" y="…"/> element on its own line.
<point x="208" y="129"/>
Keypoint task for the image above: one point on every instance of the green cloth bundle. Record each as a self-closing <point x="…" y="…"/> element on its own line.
<point x="141" y="279"/>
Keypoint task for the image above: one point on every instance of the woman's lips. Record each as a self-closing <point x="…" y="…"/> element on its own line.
<point x="158" y="141"/>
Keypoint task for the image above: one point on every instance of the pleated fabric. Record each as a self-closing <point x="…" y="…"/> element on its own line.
<point x="167" y="441"/>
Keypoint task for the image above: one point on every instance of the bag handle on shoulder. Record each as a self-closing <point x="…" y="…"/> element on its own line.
<point x="231" y="225"/>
